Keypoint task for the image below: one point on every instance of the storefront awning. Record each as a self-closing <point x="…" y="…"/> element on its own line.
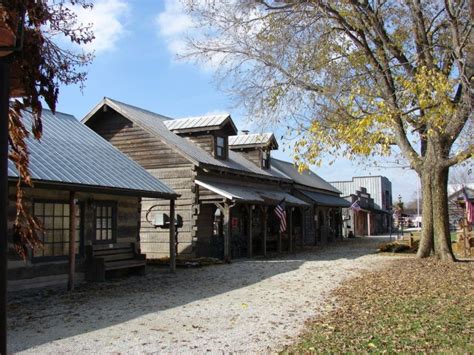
<point x="250" y="194"/>
<point x="322" y="199"/>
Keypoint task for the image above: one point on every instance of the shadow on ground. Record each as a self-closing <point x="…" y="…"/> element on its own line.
<point x="42" y="316"/>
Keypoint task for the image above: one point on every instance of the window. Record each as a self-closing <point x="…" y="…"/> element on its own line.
<point x="220" y="150"/>
<point x="105" y="221"/>
<point x="54" y="217"/>
<point x="265" y="159"/>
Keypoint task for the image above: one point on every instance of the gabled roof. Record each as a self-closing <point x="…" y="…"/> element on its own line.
<point x="253" y="140"/>
<point x="154" y="124"/>
<point x="201" y="123"/>
<point x="71" y="153"/>
<point x="307" y="178"/>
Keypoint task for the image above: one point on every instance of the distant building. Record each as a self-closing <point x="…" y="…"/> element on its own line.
<point x="456" y="205"/>
<point x="374" y="197"/>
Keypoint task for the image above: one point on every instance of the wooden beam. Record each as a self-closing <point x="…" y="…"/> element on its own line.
<point x="250" y="232"/>
<point x="265" y="229"/>
<point x="368" y="224"/>
<point x="72" y="240"/>
<point x="303" y="226"/>
<point x="227" y="231"/>
<point x="172" y="238"/>
<point x="290" y="231"/>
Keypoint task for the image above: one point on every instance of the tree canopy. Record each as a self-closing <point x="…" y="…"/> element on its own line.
<point x="352" y="77"/>
<point x="44" y="63"/>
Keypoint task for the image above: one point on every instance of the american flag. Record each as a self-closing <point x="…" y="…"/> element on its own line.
<point x="469" y="207"/>
<point x="355" y="206"/>
<point x="280" y="211"/>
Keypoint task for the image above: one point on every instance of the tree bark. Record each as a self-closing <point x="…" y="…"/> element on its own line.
<point x="439" y="194"/>
<point x="426" y="240"/>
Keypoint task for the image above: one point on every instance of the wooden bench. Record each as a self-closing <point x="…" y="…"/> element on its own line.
<point x="101" y="258"/>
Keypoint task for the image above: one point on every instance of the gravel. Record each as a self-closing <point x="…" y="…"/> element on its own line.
<point x="247" y="306"/>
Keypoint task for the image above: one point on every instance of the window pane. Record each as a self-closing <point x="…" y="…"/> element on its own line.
<point x="66" y="211"/>
<point x="48" y="237"/>
<point x="58" y="209"/>
<point x="38" y="211"/>
<point x="109" y="211"/>
<point x="58" y="223"/>
<point x="66" y="249"/>
<point x="49" y="209"/>
<point x="66" y="223"/>
<point x="47" y="250"/>
<point x="48" y="222"/>
<point x="97" y="234"/>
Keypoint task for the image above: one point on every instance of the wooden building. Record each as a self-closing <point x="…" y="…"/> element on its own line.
<point x="375" y="196"/>
<point x="80" y="177"/>
<point x="228" y="183"/>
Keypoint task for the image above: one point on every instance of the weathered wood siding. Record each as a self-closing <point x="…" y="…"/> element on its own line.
<point x="30" y="273"/>
<point x="205" y="142"/>
<point x="164" y="163"/>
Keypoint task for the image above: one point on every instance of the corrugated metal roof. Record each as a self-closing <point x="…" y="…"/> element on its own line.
<point x="325" y="199"/>
<point x="375" y="185"/>
<point x="210" y="121"/>
<point x="254" y="139"/>
<point x="70" y="152"/>
<point x="307" y="177"/>
<point x="247" y="194"/>
<point x="155" y="125"/>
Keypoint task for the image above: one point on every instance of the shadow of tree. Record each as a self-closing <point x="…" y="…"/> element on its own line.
<point x="40" y="316"/>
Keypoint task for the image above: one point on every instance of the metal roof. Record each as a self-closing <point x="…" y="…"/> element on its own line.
<point x="248" y="194"/>
<point x="325" y="199"/>
<point x="154" y="124"/>
<point x="69" y="152"/>
<point x="252" y="140"/>
<point x="210" y="122"/>
<point x="307" y="177"/>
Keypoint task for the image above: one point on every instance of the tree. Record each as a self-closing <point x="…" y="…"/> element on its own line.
<point x="37" y="71"/>
<point x="354" y="78"/>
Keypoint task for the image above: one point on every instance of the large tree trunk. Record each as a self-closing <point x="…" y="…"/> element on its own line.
<point x="439" y="195"/>
<point x="426" y="240"/>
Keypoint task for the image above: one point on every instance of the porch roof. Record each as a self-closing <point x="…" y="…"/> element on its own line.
<point x="250" y="194"/>
<point x="323" y="199"/>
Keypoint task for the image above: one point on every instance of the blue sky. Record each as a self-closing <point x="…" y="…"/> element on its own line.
<point x="136" y="45"/>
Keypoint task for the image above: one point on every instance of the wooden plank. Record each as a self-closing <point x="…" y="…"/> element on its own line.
<point x="172" y="239"/>
<point x="250" y="233"/>
<point x="72" y="240"/>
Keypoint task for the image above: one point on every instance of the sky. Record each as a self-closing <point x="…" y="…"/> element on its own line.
<point x="135" y="62"/>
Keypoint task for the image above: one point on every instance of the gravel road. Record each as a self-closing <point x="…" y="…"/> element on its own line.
<point x="247" y="306"/>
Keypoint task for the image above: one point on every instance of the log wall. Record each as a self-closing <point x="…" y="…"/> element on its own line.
<point x="36" y="272"/>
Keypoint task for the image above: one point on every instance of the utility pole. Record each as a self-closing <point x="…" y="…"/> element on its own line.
<point x="11" y="41"/>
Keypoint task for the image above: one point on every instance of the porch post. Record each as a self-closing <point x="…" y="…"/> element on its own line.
<point x="265" y="220"/>
<point x="368" y="223"/>
<point x="226" y="227"/>
<point x="72" y="240"/>
<point x="4" y="107"/>
<point x="303" y="227"/>
<point x="250" y="231"/>
<point x="172" y="238"/>
<point x="290" y="232"/>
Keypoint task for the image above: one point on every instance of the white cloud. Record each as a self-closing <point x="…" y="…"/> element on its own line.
<point x="107" y="20"/>
<point x="172" y="25"/>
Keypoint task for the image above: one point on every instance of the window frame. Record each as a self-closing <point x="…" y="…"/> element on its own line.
<point x="224" y="147"/>
<point x="80" y="224"/>
<point x="106" y="203"/>
<point x="265" y="161"/>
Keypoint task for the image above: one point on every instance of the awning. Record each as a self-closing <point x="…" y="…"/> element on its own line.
<point x="250" y="194"/>
<point x="322" y="199"/>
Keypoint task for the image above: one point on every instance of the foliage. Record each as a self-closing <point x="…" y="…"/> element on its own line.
<point x="37" y="72"/>
<point x="353" y="79"/>
<point x="411" y="306"/>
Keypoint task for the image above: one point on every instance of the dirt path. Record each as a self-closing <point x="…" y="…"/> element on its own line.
<point x="248" y="306"/>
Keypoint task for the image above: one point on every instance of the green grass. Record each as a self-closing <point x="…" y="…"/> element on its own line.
<point x="412" y="306"/>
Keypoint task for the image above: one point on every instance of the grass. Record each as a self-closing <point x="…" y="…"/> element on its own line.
<point x="411" y="306"/>
<point x="417" y="235"/>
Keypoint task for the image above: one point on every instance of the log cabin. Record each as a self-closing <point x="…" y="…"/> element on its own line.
<point x="84" y="190"/>
<point x="227" y="182"/>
